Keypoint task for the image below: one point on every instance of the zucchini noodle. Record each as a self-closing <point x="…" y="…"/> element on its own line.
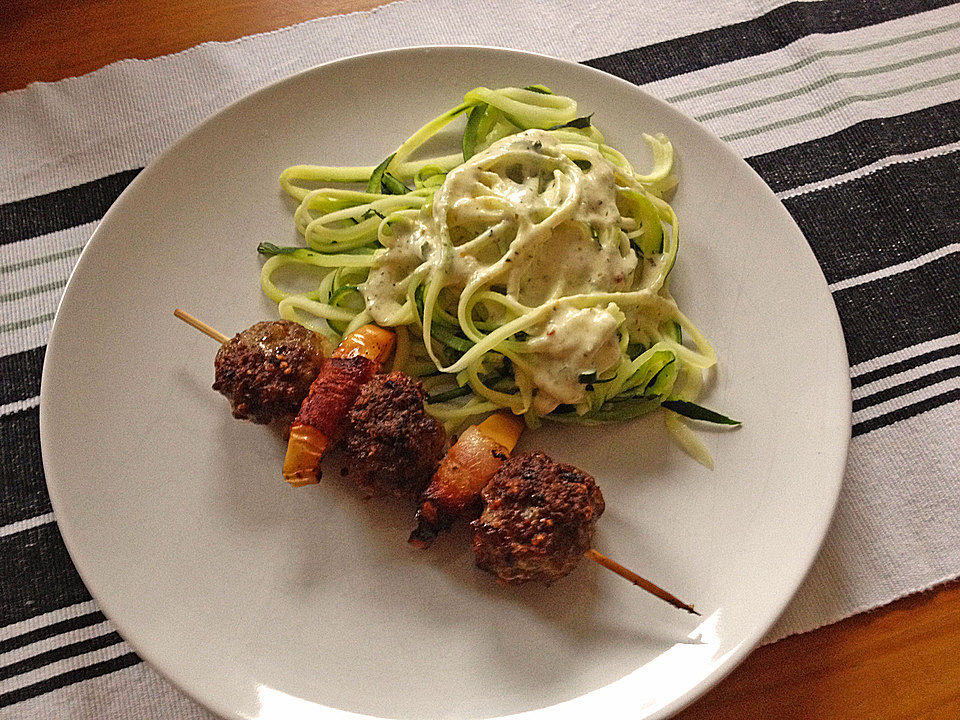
<point x="529" y="271"/>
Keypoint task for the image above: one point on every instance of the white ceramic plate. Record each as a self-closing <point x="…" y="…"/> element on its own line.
<point x="263" y="601"/>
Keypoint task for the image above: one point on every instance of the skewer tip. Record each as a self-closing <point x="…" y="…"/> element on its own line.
<point x="639" y="581"/>
<point x="201" y="326"/>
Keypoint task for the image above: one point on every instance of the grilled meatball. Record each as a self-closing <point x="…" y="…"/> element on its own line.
<point x="538" y="519"/>
<point x="266" y="370"/>
<point x="391" y="442"/>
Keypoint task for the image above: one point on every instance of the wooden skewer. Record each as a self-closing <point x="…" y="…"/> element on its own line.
<point x="640" y="582"/>
<point x="597" y="557"/>
<point x="201" y="326"/>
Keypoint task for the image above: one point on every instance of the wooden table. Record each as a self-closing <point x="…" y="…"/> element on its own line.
<point x="902" y="661"/>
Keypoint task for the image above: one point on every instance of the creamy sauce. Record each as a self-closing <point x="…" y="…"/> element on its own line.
<point x="385" y="289"/>
<point x="524" y="219"/>
<point x="572" y="342"/>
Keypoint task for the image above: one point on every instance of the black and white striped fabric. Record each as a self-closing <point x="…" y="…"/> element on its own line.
<point x="849" y="109"/>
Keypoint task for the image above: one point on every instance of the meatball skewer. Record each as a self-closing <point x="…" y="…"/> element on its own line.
<point x="514" y="538"/>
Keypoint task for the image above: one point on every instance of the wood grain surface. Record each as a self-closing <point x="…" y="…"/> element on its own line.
<point x="898" y="662"/>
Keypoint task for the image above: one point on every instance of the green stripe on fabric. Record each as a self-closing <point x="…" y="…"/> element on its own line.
<point x="837" y="105"/>
<point x="28" y="322"/>
<point x="826" y="80"/>
<point x="30" y="292"/>
<point x="13" y="267"/>
<point x="890" y="42"/>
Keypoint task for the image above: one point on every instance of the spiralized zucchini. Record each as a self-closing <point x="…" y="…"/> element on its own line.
<point x="470" y="258"/>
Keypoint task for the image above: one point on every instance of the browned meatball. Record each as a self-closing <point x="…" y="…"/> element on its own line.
<point x="266" y="370"/>
<point x="538" y="519"/>
<point x="391" y="442"/>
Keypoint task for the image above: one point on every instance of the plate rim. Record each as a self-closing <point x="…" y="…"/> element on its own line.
<point x="721" y="668"/>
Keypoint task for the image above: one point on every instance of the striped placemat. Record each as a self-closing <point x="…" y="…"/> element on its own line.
<point x="849" y="109"/>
